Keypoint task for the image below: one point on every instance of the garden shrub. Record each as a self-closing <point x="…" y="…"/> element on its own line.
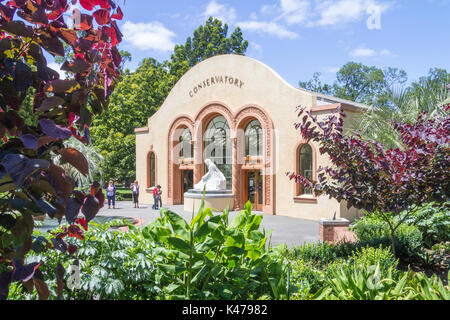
<point x="374" y="231"/>
<point x="123" y="194"/>
<point x="433" y="220"/>
<point x="306" y="280"/>
<point x="216" y="259"/>
<point x="113" y="265"/>
<point x="320" y="254"/>
<point x="210" y="258"/>
<point x="372" y="274"/>
<point x="370" y="256"/>
<point x="368" y="283"/>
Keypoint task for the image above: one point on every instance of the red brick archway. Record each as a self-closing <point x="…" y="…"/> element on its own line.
<point x="175" y="167"/>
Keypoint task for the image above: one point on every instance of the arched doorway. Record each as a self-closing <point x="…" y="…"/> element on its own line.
<point x="181" y="160"/>
<point x="217" y="147"/>
<point x="255" y="158"/>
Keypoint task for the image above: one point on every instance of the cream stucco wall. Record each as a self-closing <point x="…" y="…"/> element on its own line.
<point x="258" y="85"/>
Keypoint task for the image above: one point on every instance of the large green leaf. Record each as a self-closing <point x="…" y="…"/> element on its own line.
<point x="179" y="244"/>
<point x="205" y="246"/>
<point x="208" y="227"/>
<point x="233" y="251"/>
<point x="172" y="269"/>
<point x="179" y="225"/>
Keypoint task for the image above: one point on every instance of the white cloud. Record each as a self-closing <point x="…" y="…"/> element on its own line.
<point x="325" y="12"/>
<point x="363" y="52"/>
<point x="271" y="28"/>
<point x="295" y="11"/>
<point x="220" y="11"/>
<point x="268" y="8"/>
<point x="345" y="11"/>
<point x="151" y="35"/>
<point x="339" y="12"/>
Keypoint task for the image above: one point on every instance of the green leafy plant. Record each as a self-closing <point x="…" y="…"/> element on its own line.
<point x="214" y="258"/>
<point x="374" y="231"/>
<point x="433" y="220"/>
<point x="383" y="182"/>
<point x="320" y="254"/>
<point x="113" y="265"/>
<point x="31" y="184"/>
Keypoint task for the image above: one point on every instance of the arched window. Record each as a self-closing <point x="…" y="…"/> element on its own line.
<point x="253" y="139"/>
<point x="187" y="148"/>
<point x="305" y="163"/>
<point x="217" y="146"/>
<point x="151" y="180"/>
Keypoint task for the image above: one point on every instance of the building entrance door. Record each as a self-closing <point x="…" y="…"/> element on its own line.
<point x="187" y="180"/>
<point x="254" y="189"/>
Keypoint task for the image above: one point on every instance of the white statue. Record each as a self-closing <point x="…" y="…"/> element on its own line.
<point x="214" y="180"/>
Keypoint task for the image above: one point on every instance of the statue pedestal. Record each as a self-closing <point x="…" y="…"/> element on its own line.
<point x="216" y="200"/>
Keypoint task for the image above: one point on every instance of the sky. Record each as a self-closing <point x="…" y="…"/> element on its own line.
<point x="299" y="37"/>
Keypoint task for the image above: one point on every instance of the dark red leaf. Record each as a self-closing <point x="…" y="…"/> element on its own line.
<point x="102" y="16"/>
<point x="118" y="15"/>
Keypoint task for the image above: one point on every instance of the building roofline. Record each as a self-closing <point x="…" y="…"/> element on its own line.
<point x="331" y="100"/>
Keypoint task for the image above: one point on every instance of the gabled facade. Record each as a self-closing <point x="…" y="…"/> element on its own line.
<point x="241" y="114"/>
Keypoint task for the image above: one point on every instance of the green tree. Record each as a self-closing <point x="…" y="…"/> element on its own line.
<point x="126" y="57"/>
<point x="316" y="85"/>
<point x="136" y="98"/>
<point x="208" y="41"/>
<point x="140" y="94"/>
<point x="404" y="105"/>
<point x="359" y="83"/>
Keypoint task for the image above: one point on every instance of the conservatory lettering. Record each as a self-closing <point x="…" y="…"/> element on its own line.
<point x="215" y="80"/>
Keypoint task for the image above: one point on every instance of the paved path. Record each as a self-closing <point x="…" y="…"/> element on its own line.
<point x="285" y="230"/>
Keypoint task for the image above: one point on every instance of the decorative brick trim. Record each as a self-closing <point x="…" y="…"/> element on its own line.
<point x="235" y="121"/>
<point x="243" y="117"/>
<point x="173" y="188"/>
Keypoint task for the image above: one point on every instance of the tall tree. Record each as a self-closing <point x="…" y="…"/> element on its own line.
<point x="208" y="41"/>
<point x="404" y="105"/>
<point x="135" y="99"/>
<point x="359" y="83"/>
<point x="140" y="94"/>
<point x="316" y="85"/>
<point x="385" y="182"/>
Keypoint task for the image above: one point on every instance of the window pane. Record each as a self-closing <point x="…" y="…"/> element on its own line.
<point x="306" y="166"/>
<point x="217" y="146"/>
<point x="152" y="170"/>
<point x="186" y="150"/>
<point x="253" y="139"/>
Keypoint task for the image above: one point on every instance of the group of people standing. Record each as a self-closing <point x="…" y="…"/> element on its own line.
<point x="111" y="195"/>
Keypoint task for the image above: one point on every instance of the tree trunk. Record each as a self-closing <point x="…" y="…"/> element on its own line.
<point x="393" y="243"/>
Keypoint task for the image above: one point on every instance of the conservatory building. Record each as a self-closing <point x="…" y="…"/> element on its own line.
<point x="240" y="114"/>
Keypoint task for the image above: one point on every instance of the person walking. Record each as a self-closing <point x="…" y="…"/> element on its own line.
<point x="111" y="194"/>
<point x="135" y="191"/>
<point x="159" y="199"/>
<point x="155" y="198"/>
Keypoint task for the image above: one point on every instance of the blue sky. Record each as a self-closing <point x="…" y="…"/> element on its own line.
<point x="299" y="37"/>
